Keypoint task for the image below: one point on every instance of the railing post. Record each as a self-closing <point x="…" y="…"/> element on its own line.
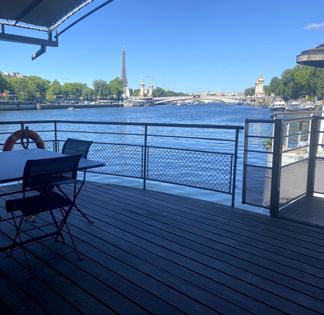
<point x="145" y="157"/>
<point x="55" y="137"/>
<point x="276" y="168"/>
<point x="245" y="160"/>
<point x="313" y="145"/>
<point x="235" y="166"/>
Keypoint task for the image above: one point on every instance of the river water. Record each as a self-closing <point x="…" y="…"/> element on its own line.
<point x="212" y="113"/>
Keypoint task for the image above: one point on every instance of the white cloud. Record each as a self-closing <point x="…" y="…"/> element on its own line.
<point x="315" y="26"/>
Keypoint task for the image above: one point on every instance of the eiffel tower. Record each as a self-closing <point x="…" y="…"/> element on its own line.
<point x="123" y="74"/>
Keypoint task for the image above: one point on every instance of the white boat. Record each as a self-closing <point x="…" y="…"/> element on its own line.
<point x="278" y="105"/>
<point x="294" y="106"/>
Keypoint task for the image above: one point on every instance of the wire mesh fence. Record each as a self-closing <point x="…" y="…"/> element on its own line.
<point x="199" y="156"/>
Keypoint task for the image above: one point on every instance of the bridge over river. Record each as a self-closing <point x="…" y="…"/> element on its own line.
<point x="196" y="98"/>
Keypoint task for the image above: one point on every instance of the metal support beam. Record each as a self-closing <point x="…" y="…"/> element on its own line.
<point x="83" y="17"/>
<point x="39" y="52"/>
<point x="313" y="145"/>
<point x="276" y="168"/>
<point x="28" y="40"/>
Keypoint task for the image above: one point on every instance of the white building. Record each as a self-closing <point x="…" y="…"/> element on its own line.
<point x="145" y="92"/>
<point x="259" y="87"/>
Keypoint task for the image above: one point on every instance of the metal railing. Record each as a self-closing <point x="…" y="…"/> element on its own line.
<point x="291" y="167"/>
<point x="199" y="156"/>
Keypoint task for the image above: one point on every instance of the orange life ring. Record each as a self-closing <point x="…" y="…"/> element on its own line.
<point x="21" y="135"/>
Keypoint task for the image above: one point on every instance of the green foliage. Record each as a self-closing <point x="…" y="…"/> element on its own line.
<point x="159" y="92"/>
<point x="116" y="88"/>
<point x="74" y="90"/>
<point x="249" y="91"/>
<point x="267" y="90"/>
<point x="28" y="88"/>
<point x="101" y="89"/>
<point x="33" y="88"/>
<point x="267" y="144"/>
<point x="3" y="83"/>
<point x="54" y="90"/>
<point x="298" y="82"/>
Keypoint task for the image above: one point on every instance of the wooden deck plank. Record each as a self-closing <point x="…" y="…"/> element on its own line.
<point x="207" y="207"/>
<point x="309" y="209"/>
<point x="149" y="252"/>
<point x="17" y="299"/>
<point x="46" y="297"/>
<point x="165" y="270"/>
<point x="212" y="249"/>
<point x="227" y="236"/>
<point x="208" y="212"/>
<point x="205" y="224"/>
<point x="186" y="218"/>
<point x="230" y="275"/>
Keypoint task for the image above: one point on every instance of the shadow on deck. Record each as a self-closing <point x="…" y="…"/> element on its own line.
<point x="307" y="209"/>
<point x="150" y="252"/>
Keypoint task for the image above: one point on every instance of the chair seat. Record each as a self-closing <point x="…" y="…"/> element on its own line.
<point x="39" y="203"/>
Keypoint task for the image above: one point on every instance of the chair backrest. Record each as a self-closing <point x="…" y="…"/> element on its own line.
<point x="43" y="174"/>
<point x="76" y="146"/>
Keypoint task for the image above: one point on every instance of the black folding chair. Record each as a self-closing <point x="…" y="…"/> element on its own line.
<point x="76" y="146"/>
<point x="39" y="195"/>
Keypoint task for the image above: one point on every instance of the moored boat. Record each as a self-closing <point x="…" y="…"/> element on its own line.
<point x="278" y="105"/>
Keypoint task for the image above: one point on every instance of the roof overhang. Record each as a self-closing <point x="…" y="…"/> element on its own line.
<point x="312" y="57"/>
<point x="40" y="15"/>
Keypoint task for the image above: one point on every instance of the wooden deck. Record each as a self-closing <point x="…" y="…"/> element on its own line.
<point x="154" y="253"/>
<point x="308" y="209"/>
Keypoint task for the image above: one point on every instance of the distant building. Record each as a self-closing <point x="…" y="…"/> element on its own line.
<point x="145" y="92"/>
<point x="12" y="74"/>
<point x="259" y="87"/>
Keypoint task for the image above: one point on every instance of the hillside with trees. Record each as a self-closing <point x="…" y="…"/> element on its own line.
<point x="37" y="89"/>
<point x="299" y="82"/>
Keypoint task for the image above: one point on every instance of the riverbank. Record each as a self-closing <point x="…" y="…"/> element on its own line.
<point x="33" y="106"/>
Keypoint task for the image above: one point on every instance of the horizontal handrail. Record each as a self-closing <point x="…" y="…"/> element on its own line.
<point x="232" y="127"/>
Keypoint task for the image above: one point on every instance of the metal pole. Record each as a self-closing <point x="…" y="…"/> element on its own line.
<point x="245" y="160"/>
<point x="313" y="143"/>
<point x="276" y="168"/>
<point x="235" y="166"/>
<point x="145" y="157"/>
<point x="55" y="137"/>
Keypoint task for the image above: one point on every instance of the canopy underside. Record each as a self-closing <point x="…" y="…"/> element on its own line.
<point x="47" y="14"/>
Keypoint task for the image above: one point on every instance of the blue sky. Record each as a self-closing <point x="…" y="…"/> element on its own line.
<point x="183" y="45"/>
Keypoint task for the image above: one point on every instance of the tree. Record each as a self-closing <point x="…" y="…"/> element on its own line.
<point x="3" y="83"/>
<point x="298" y="82"/>
<point x="22" y="88"/>
<point x="87" y="93"/>
<point x="267" y="90"/>
<point x="249" y="91"/>
<point x="159" y="92"/>
<point x="116" y="88"/>
<point x="101" y="89"/>
<point x="74" y="90"/>
<point x="39" y="85"/>
<point x="275" y="85"/>
<point x="54" y="90"/>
